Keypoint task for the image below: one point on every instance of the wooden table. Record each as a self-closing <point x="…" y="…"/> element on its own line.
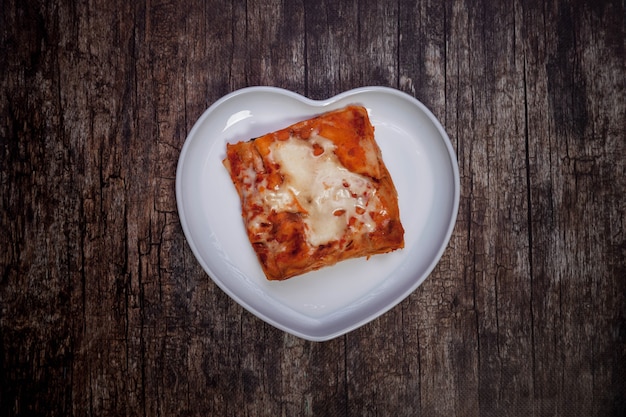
<point x="105" y="311"/>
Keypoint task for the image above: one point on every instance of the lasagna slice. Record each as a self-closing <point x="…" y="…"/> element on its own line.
<point x="315" y="193"/>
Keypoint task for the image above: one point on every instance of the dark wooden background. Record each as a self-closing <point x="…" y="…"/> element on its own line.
<point x="105" y="311"/>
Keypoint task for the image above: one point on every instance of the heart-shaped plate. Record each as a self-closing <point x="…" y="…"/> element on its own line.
<point x="327" y="303"/>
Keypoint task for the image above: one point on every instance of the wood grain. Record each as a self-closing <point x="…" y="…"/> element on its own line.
<point x="105" y="311"/>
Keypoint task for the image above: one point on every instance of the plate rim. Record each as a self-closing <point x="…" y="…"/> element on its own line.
<point x="319" y="104"/>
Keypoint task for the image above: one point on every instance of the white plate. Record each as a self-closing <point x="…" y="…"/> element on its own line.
<point x="330" y="302"/>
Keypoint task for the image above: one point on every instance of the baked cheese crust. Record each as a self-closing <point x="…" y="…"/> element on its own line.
<point x="316" y="193"/>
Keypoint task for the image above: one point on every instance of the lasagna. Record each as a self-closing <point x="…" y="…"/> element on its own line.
<point x="315" y="193"/>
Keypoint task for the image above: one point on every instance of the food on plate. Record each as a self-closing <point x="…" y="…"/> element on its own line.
<point x="316" y="193"/>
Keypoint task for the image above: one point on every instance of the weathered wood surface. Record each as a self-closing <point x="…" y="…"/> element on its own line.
<point x="104" y="310"/>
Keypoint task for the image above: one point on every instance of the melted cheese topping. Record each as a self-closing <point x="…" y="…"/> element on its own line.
<point x="317" y="185"/>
